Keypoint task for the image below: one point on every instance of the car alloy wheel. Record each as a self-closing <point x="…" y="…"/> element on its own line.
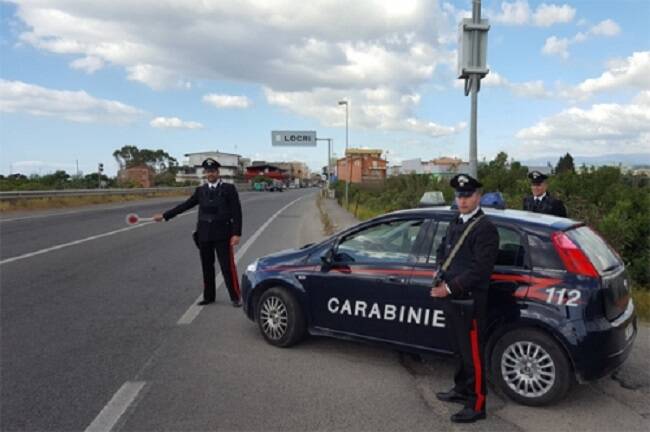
<point x="528" y="369"/>
<point x="274" y="317"/>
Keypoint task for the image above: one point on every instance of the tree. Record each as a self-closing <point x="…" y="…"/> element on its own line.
<point x="158" y="160"/>
<point x="565" y="164"/>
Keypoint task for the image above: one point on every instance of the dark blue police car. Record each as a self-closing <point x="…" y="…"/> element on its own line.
<point x="560" y="309"/>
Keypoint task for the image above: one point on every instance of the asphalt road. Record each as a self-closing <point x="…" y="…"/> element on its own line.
<point x="90" y="340"/>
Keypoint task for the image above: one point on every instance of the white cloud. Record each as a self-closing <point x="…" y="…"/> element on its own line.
<point x="631" y="73"/>
<point x="515" y="13"/>
<point x="88" y="64"/>
<point x="77" y="106"/>
<point x="226" y="101"/>
<point x="382" y="108"/>
<point x="174" y="123"/>
<point x="606" y="28"/>
<point x="532" y="89"/>
<point x="286" y="47"/>
<point x="597" y="130"/>
<point x="519" y="13"/>
<point x="547" y="15"/>
<point x="560" y="46"/>
<point x="556" y="46"/>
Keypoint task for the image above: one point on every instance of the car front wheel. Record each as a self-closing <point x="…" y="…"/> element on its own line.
<point x="280" y="317"/>
<point x="531" y="367"/>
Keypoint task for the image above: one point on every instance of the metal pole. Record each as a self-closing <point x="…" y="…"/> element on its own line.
<point x="474" y="83"/>
<point x="329" y="162"/>
<point x="347" y="183"/>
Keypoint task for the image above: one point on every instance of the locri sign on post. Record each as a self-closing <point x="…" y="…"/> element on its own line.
<point x="293" y="138"/>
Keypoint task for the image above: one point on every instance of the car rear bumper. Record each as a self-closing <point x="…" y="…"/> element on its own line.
<point x="606" y="345"/>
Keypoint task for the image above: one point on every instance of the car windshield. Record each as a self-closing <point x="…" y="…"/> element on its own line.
<point x="598" y="252"/>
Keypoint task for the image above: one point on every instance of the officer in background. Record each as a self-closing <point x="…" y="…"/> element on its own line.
<point x="218" y="229"/>
<point x="540" y="201"/>
<point x="465" y="283"/>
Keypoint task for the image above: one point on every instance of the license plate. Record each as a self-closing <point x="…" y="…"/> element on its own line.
<point x="629" y="331"/>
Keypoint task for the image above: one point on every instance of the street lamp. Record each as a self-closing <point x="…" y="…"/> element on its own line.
<point x="347" y="183"/>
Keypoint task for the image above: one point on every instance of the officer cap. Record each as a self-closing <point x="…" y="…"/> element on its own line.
<point x="210" y="164"/>
<point x="537" y="177"/>
<point x="465" y="185"/>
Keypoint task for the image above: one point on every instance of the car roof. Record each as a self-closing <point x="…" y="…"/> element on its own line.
<point x="507" y="215"/>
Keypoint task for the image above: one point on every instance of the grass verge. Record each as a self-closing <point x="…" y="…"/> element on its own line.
<point x="10" y="205"/>
<point x="328" y="226"/>
<point x="641" y="299"/>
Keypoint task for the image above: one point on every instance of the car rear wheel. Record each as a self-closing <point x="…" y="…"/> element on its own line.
<point x="531" y="367"/>
<point x="280" y="318"/>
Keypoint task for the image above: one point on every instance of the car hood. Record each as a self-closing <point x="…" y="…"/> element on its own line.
<point x="285" y="257"/>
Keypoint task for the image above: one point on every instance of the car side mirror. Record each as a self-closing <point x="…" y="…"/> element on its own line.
<point x="327" y="258"/>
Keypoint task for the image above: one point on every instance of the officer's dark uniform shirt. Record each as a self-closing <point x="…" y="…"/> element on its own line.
<point x="469" y="272"/>
<point x="219" y="211"/>
<point x="547" y="204"/>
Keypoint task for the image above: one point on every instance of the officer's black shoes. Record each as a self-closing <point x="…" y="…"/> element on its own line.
<point x="451" y="396"/>
<point x="468" y="415"/>
<point x="236" y="303"/>
<point x="205" y="302"/>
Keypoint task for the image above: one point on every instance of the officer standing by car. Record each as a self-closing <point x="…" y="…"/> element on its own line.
<point x="468" y="253"/>
<point x="218" y="229"/>
<point x="541" y="201"/>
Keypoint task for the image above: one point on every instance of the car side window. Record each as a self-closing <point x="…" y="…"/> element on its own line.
<point x="386" y="242"/>
<point x="512" y="252"/>
<point x="438" y="236"/>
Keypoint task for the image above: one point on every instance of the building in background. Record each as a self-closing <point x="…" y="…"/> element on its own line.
<point x="394" y="170"/>
<point x="361" y="166"/>
<point x="442" y="166"/>
<point x="297" y="172"/>
<point x="193" y="171"/>
<point x="270" y="171"/>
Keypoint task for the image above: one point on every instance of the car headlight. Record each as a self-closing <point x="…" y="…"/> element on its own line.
<point x="252" y="267"/>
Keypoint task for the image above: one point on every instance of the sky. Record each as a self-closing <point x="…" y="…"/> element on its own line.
<point x="80" y="79"/>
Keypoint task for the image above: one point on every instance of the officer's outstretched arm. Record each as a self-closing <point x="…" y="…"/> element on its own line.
<point x="184" y="206"/>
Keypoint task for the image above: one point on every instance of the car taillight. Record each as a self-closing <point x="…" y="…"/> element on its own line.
<point x="573" y="258"/>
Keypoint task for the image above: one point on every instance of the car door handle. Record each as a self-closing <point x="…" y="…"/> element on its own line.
<point x="396" y="279"/>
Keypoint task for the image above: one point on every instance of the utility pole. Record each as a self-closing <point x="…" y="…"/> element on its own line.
<point x="472" y="57"/>
<point x="347" y="162"/>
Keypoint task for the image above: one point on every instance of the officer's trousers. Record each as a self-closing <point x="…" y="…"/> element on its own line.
<point x="226" y="257"/>
<point x="467" y="325"/>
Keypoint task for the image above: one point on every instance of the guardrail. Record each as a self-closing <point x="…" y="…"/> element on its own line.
<point x="89" y="192"/>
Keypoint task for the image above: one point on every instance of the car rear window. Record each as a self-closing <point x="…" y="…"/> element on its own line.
<point x="543" y="254"/>
<point x="598" y="252"/>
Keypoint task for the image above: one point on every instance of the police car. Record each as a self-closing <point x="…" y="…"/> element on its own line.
<point x="560" y="309"/>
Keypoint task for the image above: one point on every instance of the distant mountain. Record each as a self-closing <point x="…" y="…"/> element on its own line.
<point x="627" y="160"/>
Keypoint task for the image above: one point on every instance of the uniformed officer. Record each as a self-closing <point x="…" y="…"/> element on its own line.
<point x="465" y="283"/>
<point x="540" y="201"/>
<point x="218" y="229"/>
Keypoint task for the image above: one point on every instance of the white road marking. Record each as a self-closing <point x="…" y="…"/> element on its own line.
<point x="76" y="242"/>
<point x="193" y="311"/>
<point x="116" y="407"/>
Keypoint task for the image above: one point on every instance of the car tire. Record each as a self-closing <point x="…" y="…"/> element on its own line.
<point x="280" y="317"/>
<point x="531" y="368"/>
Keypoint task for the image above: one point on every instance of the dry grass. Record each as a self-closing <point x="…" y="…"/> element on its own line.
<point x="328" y="227"/>
<point x="23" y="204"/>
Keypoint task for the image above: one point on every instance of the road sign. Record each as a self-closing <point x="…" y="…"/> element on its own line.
<point x="293" y="138"/>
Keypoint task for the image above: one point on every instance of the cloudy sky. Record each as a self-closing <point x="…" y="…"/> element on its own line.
<point x="80" y="78"/>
